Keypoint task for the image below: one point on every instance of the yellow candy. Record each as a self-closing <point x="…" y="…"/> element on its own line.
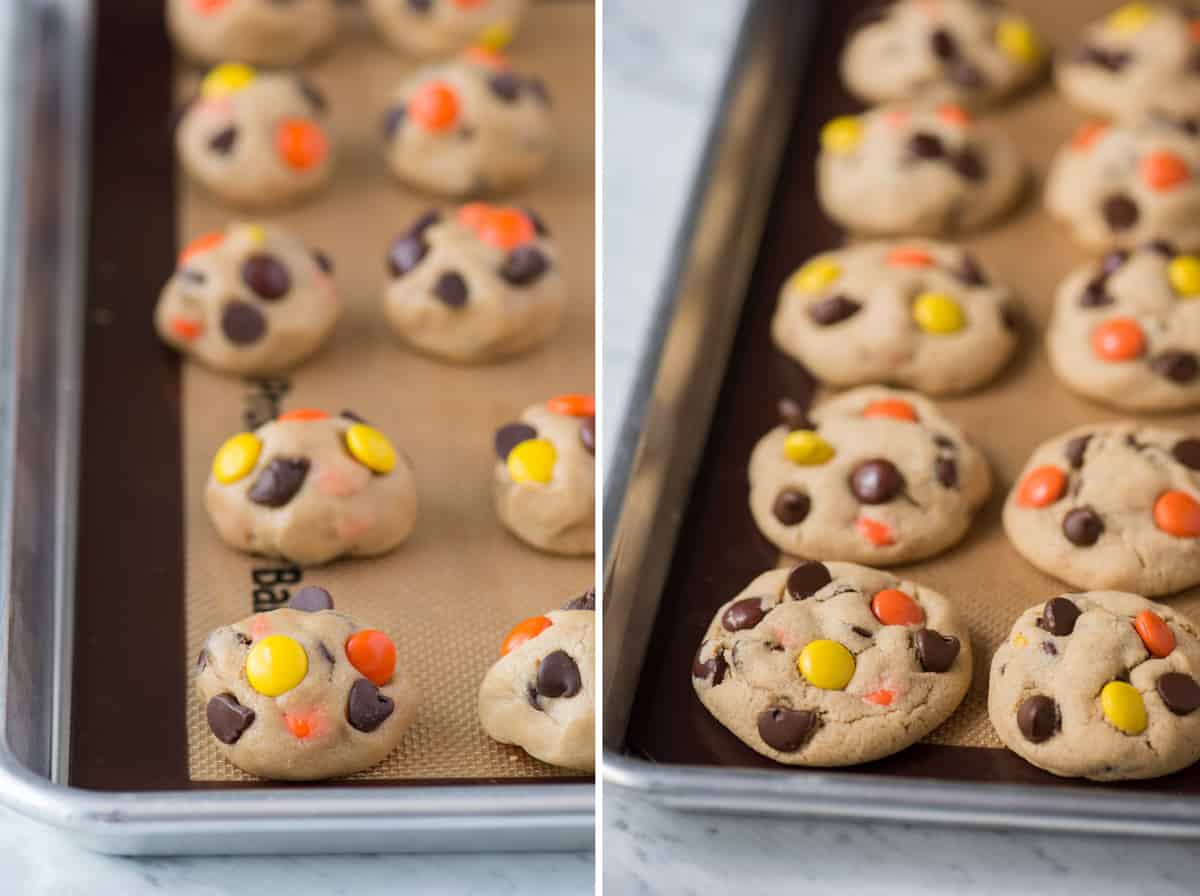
<point x="827" y="665"/>
<point x="841" y="134"/>
<point x="805" y="447"/>
<point x="226" y="79"/>
<point x="937" y="313"/>
<point x="276" y="664"/>
<point x="256" y="234"/>
<point x="496" y="37"/>
<point x="532" y="461"/>
<point x="1130" y="18"/>
<point x="1184" y="274"/>
<point x="816" y="275"/>
<point x="236" y="458"/>
<point x="1123" y="707"/>
<point x="371" y="448"/>
<point x="1019" y="640"/>
<point x="1016" y="38"/>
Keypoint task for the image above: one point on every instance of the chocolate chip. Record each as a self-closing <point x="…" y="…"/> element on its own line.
<point x="1179" y="692"/>
<point x="968" y="164"/>
<point x="935" y="650"/>
<point x="393" y="119"/>
<point x="1037" y="717"/>
<point x="1059" y="616"/>
<point x="943" y="44"/>
<point x="713" y="668"/>
<point x="1095" y="294"/>
<point x="970" y="271"/>
<point x="267" y="276"/>
<point x="587" y="434"/>
<point x="406" y="253"/>
<point x="243" y="640"/>
<point x="223" y="142"/>
<point x="227" y="718"/>
<point x="1187" y="452"/>
<point x="242" y="323"/>
<point x="524" y="265"/>
<point x="785" y="730"/>
<point x="807" y="579"/>
<point x="1082" y="527"/>
<point x="926" y="146"/>
<point x="585" y="601"/>
<point x="326" y="653"/>
<point x="279" y="481"/>
<point x="1075" y="449"/>
<point x="1162" y="247"/>
<point x="745" y="613"/>
<point x="506" y="86"/>
<point x="876" y="481"/>
<point x="311" y="599"/>
<point x="946" y="471"/>
<point x="314" y="96"/>
<point x="793" y="414"/>
<point x="791" y="507"/>
<point x="558" y="676"/>
<point x="1120" y="212"/>
<point x="1112" y="262"/>
<point x="1048" y="647"/>
<point x="510" y="435"/>
<point x="451" y="289"/>
<point x="1177" y="366"/>
<point x="832" y="310"/>
<point x="324" y="262"/>
<point x="366" y="708"/>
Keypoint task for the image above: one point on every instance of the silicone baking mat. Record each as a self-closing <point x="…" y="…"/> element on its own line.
<point x="720" y="550"/>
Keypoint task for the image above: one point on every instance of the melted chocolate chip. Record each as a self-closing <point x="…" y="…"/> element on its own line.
<point x="451" y="289"/>
<point x="969" y="164"/>
<point x="793" y="415"/>
<point x="943" y="44"/>
<point x="1037" y="717"/>
<point x="224" y="141"/>
<point x="506" y="86"/>
<point x="524" y="265"/>
<point x="1187" y="452"/>
<point x="279" y="481"/>
<point x="243" y="640"/>
<point x="510" y="435"/>
<point x="558" y="676"/>
<point x="1095" y="294"/>
<point x="366" y="708"/>
<point x="324" y="262"/>
<point x="1120" y="212"/>
<point x="926" y="146"/>
<point x="1048" y="647"/>
<point x="807" y="579"/>
<point x="1180" y="693"/>
<point x="786" y="730"/>
<point x="585" y="601"/>
<point x="266" y="276"/>
<point x="1162" y="247"/>
<point x="833" y="310"/>
<point x="1075" y="449"/>
<point x="227" y="718"/>
<point x="1082" y="527"/>
<point x="936" y="651"/>
<point x="242" y="323"/>
<point x="970" y="271"/>
<point x="876" y="481"/>
<point x="745" y="613"/>
<point x="1176" y="366"/>
<point x="791" y="507"/>
<point x="311" y="599"/>
<point x="587" y="434"/>
<point x="946" y="471"/>
<point x="312" y="95"/>
<point x="714" y="668"/>
<point x="1059" y="616"/>
<point x="393" y="119"/>
<point x="406" y="253"/>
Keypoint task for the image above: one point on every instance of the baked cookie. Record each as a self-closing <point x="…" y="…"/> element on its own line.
<point x="1123" y="185"/>
<point x="252" y="300"/>
<point x="440" y="27"/>
<point x="260" y="32"/>
<point x="1111" y="506"/>
<point x="544" y="479"/>
<point x="874" y="475"/>
<point x="310" y="488"/>
<point x="253" y="139"/>
<point x="912" y="313"/>
<point x="305" y="692"/>
<point x="469" y="127"/>
<point x="541" y="693"/>
<point x="1141" y="58"/>
<point x="477" y="285"/>
<point x="915" y="171"/>
<point x="1126" y="329"/>
<point x="833" y="664"/>
<point x="1099" y="685"/>
<point x="969" y="52"/>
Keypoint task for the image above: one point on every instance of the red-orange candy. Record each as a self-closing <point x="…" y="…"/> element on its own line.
<point x="1164" y="170"/>
<point x="573" y="405"/>
<point x="1042" y="487"/>
<point x="301" y="144"/>
<point x="1155" y="634"/>
<point x="373" y="654"/>
<point x="507" y="228"/>
<point x="434" y="106"/>
<point x="881" y="697"/>
<point x="473" y="214"/>
<point x="1118" y="339"/>
<point x="522" y="632"/>
<point x="486" y="56"/>
<point x="896" y="408"/>
<point x="954" y="115"/>
<point x="1177" y="513"/>
<point x="186" y="328"/>
<point x="202" y="243"/>
<point x="1087" y="134"/>
<point x="469" y="4"/>
<point x="208" y="7"/>
<point x="878" y="533"/>
<point x="302" y="415"/>
<point x="909" y="257"/>
<point x="892" y="606"/>
<point x="300" y="726"/>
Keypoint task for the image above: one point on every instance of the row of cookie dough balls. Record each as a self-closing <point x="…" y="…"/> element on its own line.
<point x="833" y="664"/>
<point x="465" y="127"/>
<point x="306" y="692"/>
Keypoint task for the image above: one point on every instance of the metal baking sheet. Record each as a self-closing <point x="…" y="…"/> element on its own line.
<point x="684" y="543"/>
<point x="75" y="220"/>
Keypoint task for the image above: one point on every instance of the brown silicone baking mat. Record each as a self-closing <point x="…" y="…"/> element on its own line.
<point x="720" y="550"/>
<point x="153" y="578"/>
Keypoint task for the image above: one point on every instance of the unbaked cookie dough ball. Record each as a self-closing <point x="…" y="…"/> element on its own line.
<point x="916" y="171"/>
<point x="255" y="139"/>
<point x="469" y="127"/>
<point x="913" y="313"/>
<point x="252" y="300"/>
<point x="310" y="488"/>
<point x="476" y="285"/>
<point x="439" y="27"/>
<point x="305" y="692"/>
<point x="1099" y="685"/>
<point x="544" y="479"/>
<point x="963" y="51"/>
<point x="541" y="693"/>
<point x="259" y="32"/>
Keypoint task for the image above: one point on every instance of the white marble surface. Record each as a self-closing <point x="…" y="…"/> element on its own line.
<point x="663" y="61"/>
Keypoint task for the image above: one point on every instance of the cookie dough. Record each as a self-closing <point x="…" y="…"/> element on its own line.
<point x="541" y="693"/>
<point x="833" y="664"/>
<point x="1141" y="58"/>
<point x="1124" y="185"/>
<point x="255" y="140"/>
<point x="305" y="692"/>
<point x="440" y="27"/>
<point x="1099" y="685"/>
<point x="544" y="478"/>
<point x="258" y="32"/>
<point x="1111" y="506"/>
<point x="469" y="127"/>
<point x="1126" y="329"/>
<point x="915" y="171"/>
<point x="310" y="488"/>
<point x="477" y="285"/>
<point x="913" y="313"/>
<point x="962" y="51"/>
<point x="252" y="300"/>
<point x="874" y="475"/>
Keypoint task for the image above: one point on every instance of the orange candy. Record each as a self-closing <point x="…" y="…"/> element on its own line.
<point x="1177" y="513"/>
<point x="373" y="654"/>
<point x="469" y="4"/>
<point x="522" y="632"/>
<point x="1042" y="487"/>
<point x="1087" y="134"/>
<point x="202" y="243"/>
<point x="473" y="214"/>
<point x="881" y="697"/>
<point x="1118" y="339"/>
<point x="879" y="534"/>
<point x="1155" y="634"/>
<point x="300" y="726"/>
<point x="434" y="106"/>
<point x="892" y="606"/>
<point x="1164" y="170"/>
<point x="301" y="144"/>
<point x="896" y="408"/>
<point x="186" y="328"/>
<point x="954" y="115"/>
<point x="207" y="7"/>
<point x="909" y="257"/>
<point x="573" y="405"/>
<point x="507" y="228"/>
<point x="302" y="415"/>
